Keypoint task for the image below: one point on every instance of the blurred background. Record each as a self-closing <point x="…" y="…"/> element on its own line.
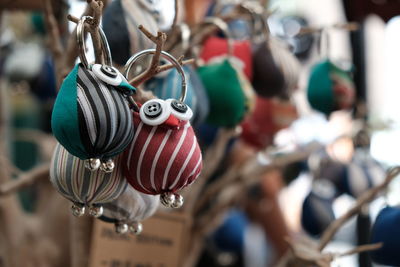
<point x="344" y="151"/>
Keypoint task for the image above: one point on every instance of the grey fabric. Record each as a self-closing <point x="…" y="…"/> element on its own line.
<point x="131" y="206"/>
<point x="80" y="185"/>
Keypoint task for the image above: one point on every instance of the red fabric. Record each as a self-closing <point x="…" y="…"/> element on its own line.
<point x="146" y="167"/>
<point x="216" y="46"/>
<point x="269" y="117"/>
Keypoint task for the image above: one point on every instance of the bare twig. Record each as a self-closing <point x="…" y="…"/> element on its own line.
<point x="350" y="26"/>
<point x="24" y="180"/>
<point x="211" y="161"/>
<point x="154" y="67"/>
<point x="54" y="41"/>
<point x="159" y="40"/>
<point x="365" y="198"/>
<point x="94" y="9"/>
<point x="359" y="249"/>
<point x="176" y="15"/>
<point x="170" y="66"/>
<point x="250" y="173"/>
<point x="72" y="50"/>
<point x="97" y="7"/>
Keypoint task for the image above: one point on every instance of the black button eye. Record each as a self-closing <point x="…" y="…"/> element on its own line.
<point x="110" y="72"/>
<point x="152" y="109"/>
<point x="179" y="106"/>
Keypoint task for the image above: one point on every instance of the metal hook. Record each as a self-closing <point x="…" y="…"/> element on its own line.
<point x="80" y="37"/>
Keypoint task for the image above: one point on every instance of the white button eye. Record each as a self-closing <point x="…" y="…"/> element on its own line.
<point x="155" y="112"/>
<point x="107" y="74"/>
<point x="180" y="110"/>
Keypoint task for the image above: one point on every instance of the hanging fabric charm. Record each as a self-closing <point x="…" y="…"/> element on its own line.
<point x="127" y="211"/>
<point x="164" y="155"/>
<point x="91" y="116"/>
<point x="83" y="187"/>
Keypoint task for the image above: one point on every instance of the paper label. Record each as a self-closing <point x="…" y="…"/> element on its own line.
<point x="161" y="244"/>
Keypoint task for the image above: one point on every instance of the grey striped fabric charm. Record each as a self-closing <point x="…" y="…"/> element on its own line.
<point x="105" y="120"/>
<point x="83" y="187"/>
<point x="130" y="209"/>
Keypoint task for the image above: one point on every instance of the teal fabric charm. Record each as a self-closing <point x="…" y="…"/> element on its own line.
<point x="91" y="119"/>
<point x="330" y="88"/>
<point x="91" y="116"/>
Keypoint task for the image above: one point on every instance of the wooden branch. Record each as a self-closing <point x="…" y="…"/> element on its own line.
<point x="54" y="41"/>
<point x="94" y="9"/>
<point x="24" y="180"/>
<point x="97" y="7"/>
<point x="360" y="249"/>
<point x="170" y="66"/>
<point x="350" y="26"/>
<point x="11" y="214"/>
<point x="250" y="172"/>
<point x="211" y="161"/>
<point x="72" y="50"/>
<point x="176" y="15"/>
<point x="365" y="198"/>
<point x="159" y="40"/>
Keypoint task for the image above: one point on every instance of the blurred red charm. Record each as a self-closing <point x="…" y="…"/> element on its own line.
<point x="269" y="116"/>
<point x="216" y="46"/>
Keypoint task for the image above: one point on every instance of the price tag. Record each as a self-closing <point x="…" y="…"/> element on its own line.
<point x="161" y="244"/>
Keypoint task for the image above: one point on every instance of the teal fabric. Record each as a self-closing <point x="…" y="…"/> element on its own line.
<point x="320" y="88"/>
<point x="64" y="119"/>
<point x="126" y="85"/>
<point x="226" y="97"/>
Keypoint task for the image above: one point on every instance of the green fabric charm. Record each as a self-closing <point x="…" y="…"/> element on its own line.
<point x="228" y="102"/>
<point x="330" y="88"/>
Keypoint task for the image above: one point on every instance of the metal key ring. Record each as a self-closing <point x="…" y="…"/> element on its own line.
<point x="80" y="37"/>
<point x="133" y="59"/>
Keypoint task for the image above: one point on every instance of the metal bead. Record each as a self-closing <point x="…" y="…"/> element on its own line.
<point x="92" y="164"/>
<point x="121" y="228"/>
<point x="78" y="210"/>
<point x="96" y="211"/>
<point x="107" y="166"/>
<point x="136" y="228"/>
<point x="178" y="202"/>
<point x="167" y="199"/>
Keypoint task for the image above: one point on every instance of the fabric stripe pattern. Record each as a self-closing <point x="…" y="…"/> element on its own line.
<point x="80" y="185"/>
<point x="105" y="120"/>
<point x="131" y="206"/>
<point x="91" y="119"/>
<point x="162" y="159"/>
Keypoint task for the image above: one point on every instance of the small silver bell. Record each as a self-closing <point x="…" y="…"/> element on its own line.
<point x="92" y="164"/>
<point x="78" y="210"/>
<point x="96" y="211"/>
<point x="136" y="228"/>
<point x="121" y="228"/>
<point x="167" y="199"/>
<point x="107" y="166"/>
<point x="178" y="203"/>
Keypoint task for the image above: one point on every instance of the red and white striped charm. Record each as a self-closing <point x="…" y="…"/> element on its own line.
<point x="163" y="159"/>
